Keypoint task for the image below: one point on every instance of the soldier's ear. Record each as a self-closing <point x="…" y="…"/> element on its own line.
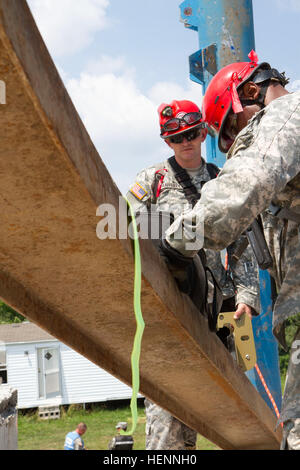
<point x="168" y="142"/>
<point x="251" y="90"/>
<point x="203" y="134"/>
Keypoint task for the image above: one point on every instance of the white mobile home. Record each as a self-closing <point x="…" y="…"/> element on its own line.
<point x="46" y="372"/>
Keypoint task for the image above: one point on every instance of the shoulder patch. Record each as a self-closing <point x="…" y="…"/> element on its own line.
<point x="138" y="191"/>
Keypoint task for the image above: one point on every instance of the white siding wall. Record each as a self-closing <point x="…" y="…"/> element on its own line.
<point x="81" y="380"/>
<point x="22" y="373"/>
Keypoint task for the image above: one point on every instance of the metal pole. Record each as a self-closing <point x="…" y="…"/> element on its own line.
<point x="226" y="34"/>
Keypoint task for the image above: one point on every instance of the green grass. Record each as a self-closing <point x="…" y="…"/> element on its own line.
<point x="37" y="434"/>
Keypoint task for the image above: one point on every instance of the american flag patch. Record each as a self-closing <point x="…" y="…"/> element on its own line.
<point x="138" y="191"/>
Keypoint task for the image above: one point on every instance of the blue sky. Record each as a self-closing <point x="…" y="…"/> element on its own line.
<point x="120" y="59"/>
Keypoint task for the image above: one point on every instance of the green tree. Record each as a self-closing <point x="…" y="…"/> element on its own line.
<point x="292" y="324"/>
<point x="9" y="315"/>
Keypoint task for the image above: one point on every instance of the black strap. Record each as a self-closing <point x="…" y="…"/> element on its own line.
<point x="274" y="294"/>
<point x="190" y="191"/>
<point x="260" y="100"/>
<point x="263" y="78"/>
<point x="192" y="195"/>
<point x="268" y="74"/>
<point x="212" y="315"/>
<point x="284" y="213"/>
<point x="213" y="170"/>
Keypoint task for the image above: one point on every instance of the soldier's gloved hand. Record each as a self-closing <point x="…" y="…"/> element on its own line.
<point x="180" y="266"/>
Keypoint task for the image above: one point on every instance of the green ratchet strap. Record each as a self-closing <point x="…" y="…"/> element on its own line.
<point x="136" y="351"/>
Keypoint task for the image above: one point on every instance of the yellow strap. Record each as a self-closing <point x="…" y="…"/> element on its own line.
<point x="136" y="351"/>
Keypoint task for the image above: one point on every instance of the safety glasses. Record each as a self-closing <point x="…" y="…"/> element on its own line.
<point x="175" y="123"/>
<point x="188" y="135"/>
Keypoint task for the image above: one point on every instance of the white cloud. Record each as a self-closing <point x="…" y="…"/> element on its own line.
<point x="121" y="120"/>
<point x="68" y="26"/>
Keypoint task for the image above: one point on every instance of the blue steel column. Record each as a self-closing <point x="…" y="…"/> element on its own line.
<point x="226" y="34"/>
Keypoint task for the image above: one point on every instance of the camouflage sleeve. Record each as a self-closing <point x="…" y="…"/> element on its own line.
<point x="265" y="159"/>
<point x="245" y="276"/>
<point x="139" y="193"/>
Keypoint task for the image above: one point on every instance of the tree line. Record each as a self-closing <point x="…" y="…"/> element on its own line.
<point x="9" y="315"/>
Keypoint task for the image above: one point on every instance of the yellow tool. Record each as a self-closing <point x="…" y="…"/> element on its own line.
<point x="243" y="338"/>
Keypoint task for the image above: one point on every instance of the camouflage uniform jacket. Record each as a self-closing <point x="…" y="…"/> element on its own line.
<point x="244" y="281"/>
<point x="262" y="166"/>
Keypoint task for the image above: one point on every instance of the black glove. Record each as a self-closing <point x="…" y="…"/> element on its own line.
<point x="180" y="266"/>
<point x="191" y="277"/>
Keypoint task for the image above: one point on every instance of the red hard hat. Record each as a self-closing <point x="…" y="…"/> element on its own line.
<point x="221" y="95"/>
<point x="180" y="116"/>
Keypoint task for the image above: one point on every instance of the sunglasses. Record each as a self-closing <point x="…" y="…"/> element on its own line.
<point x="175" y="123"/>
<point x="188" y="135"/>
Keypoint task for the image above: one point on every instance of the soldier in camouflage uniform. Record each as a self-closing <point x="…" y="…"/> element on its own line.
<point x="258" y="123"/>
<point x="163" y="431"/>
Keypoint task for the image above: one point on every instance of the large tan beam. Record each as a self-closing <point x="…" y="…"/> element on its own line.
<point x="56" y="272"/>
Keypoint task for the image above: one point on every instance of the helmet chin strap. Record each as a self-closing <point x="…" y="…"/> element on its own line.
<point x="264" y="78"/>
<point x="260" y="100"/>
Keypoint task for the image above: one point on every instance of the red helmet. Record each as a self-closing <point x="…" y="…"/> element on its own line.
<point x="178" y="116"/>
<point x="221" y="95"/>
